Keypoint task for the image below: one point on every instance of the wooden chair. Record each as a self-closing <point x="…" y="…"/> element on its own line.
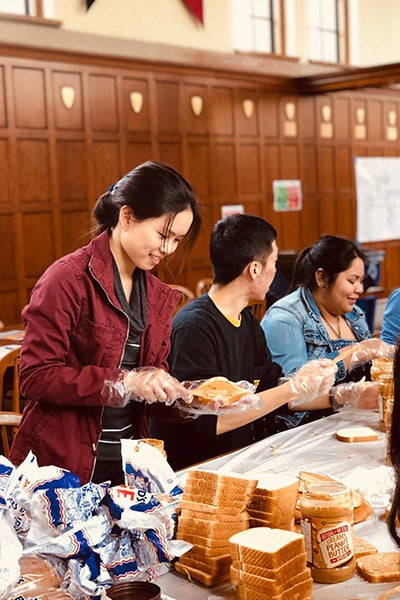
<point x="9" y="423"/>
<point x="258" y="308"/>
<point x="203" y="285"/>
<point x="186" y="295"/>
<point x="10" y="363"/>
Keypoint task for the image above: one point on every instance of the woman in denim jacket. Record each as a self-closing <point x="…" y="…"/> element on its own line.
<point x="320" y="318"/>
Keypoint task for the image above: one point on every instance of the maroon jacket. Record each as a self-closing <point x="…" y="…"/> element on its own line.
<point x="74" y="342"/>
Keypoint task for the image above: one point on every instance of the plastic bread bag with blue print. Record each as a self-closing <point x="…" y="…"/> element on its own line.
<point x="218" y="395"/>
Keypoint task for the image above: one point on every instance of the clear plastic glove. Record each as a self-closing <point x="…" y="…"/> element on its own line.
<point x="312" y="380"/>
<point x="357" y="394"/>
<point x="145" y="384"/>
<point x="368" y="350"/>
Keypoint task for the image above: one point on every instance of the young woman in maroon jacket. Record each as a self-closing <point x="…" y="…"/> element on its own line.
<point x="97" y="329"/>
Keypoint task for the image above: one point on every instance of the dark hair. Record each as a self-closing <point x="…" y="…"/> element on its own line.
<point x="394" y="514"/>
<point x="151" y="190"/>
<point x="236" y="241"/>
<point x="332" y="254"/>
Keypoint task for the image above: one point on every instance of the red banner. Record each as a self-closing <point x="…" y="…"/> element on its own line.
<point x="195" y="7"/>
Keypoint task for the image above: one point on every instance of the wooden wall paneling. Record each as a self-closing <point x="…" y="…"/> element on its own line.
<point x="136" y="105"/>
<point x="271" y="171"/>
<point x="248" y="169"/>
<point x="76" y="226"/>
<point x="195" y="109"/>
<point x="375" y="120"/>
<point x="269" y="115"/>
<point x="224" y="170"/>
<point x="39" y="251"/>
<point x="326" y="188"/>
<point x="221" y="110"/>
<point x="29" y="97"/>
<point x="3" y="112"/>
<point x="67" y="100"/>
<point x="307" y="120"/>
<point x="291" y="235"/>
<point x="246" y="115"/>
<point x="168" y="105"/>
<point x="103" y="102"/>
<point x="137" y="152"/>
<point x="309" y="213"/>
<point x="342" y="117"/>
<point x="106" y="163"/>
<point x="199" y="166"/>
<point x="15" y="291"/>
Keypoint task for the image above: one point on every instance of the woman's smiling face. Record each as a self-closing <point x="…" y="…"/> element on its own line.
<point x="146" y="243"/>
<point x="341" y="296"/>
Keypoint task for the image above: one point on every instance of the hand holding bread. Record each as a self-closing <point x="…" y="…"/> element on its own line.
<point x="218" y="395"/>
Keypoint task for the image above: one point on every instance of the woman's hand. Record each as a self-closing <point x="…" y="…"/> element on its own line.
<point x="147" y="384"/>
<point x="312" y="380"/>
<point x="358" y="394"/>
<point x="368" y="350"/>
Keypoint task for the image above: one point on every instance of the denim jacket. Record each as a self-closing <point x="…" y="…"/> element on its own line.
<point x="295" y="332"/>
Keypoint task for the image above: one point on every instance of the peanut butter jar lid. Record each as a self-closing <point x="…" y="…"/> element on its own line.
<point x="134" y="590"/>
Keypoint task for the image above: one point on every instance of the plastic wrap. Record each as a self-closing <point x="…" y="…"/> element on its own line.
<point x="312" y="380"/>
<point x="367" y="350"/>
<point x="357" y="394"/>
<point x="218" y="404"/>
<point x="144" y="384"/>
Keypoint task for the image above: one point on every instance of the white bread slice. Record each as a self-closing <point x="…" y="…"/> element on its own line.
<point x="206" y="542"/>
<point x="210" y="509"/>
<point x="215" y="514"/>
<point x="214" y="479"/>
<point x="266" y="547"/>
<point x="362" y="547"/>
<point x="356" y="434"/>
<point x="272" y="586"/>
<point x="218" y="565"/>
<point x="204" y="578"/>
<point x="285" y="570"/>
<point x="221" y="389"/>
<point x="210" y="528"/>
<point x="380" y="567"/>
<point x="300" y="591"/>
<point x="276" y="484"/>
<point x="217" y="499"/>
<point x="288" y="525"/>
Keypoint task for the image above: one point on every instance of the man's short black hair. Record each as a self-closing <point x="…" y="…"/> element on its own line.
<point x="235" y="241"/>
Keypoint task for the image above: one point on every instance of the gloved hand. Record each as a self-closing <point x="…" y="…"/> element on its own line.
<point x="368" y="350"/>
<point x="358" y="394"/>
<point x="312" y="380"/>
<point x="145" y="384"/>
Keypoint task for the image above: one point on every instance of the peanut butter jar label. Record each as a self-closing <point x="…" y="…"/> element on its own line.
<point x="328" y="545"/>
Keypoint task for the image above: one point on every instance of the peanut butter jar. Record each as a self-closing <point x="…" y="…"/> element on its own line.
<point x="327" y="515"/>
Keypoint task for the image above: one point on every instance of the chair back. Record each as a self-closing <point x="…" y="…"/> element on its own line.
<point x="10" y="362"/>
<point x="259" y="308"/>
<point x="203" y="285"/>
<point x="186" y="295"/>
<point x="9" y="423"/>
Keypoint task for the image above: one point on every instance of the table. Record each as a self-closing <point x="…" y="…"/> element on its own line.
<point x="11" y="334"/>
<point x="313" y="447"/>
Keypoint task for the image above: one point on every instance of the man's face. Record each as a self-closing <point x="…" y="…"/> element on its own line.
<point x="267" y="274"/>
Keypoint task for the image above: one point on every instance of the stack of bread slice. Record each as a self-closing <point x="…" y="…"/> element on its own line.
<point x="273" y="503"/>
<point x="213" y="508"/>
<point x="269" y="563"/>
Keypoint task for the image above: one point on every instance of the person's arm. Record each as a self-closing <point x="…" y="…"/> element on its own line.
<point x="391" y="319"/>
<point x="307" y="389"/>
<point x="285" y="338"/>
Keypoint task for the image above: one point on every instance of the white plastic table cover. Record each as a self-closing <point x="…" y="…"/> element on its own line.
<point x="313" y="447"/>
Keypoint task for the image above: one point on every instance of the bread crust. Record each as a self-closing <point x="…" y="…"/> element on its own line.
<point x="219" y="389"/>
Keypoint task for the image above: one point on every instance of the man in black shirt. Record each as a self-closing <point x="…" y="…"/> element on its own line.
<point x="216" y="334"/>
